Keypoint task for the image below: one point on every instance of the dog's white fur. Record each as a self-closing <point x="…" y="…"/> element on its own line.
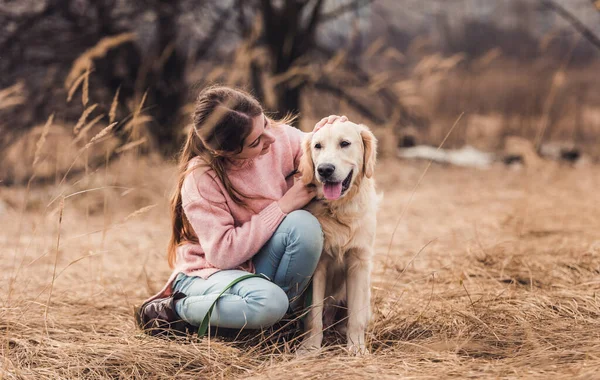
<point x="349" y="223"/>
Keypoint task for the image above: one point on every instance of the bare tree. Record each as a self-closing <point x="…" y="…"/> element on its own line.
<point x="289" y="34"/>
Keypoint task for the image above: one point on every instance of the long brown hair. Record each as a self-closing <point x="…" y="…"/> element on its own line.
<point x="221" y="122"/>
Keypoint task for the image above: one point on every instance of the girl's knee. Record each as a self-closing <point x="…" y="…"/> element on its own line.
<point x="305" y="219"/>
<point x="272" y="305"/>
<point x="306" y="230"/>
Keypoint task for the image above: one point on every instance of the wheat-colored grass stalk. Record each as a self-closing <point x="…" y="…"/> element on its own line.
<point x="139" y="212"/>
<point x="73" y="88"/>
<point x="131" y="145"/>
<point x="60" y="218"/>
<point x="101" y="134"/>
<point x="394" y="54"/>
<point x="136" y="121"/>
<point x="378" y="81"/>
<point x="37" y="157"/>
<point x="297" y="72"/>
<point x="40" y="143"/>
<point x="490" y="56"/>
<point x="81" y="135"/>
<point x="99" y="50"/>
<point x="85" y="93"/>
<point x="83" y="118"/>
<point x="215" y="74"/>
<point x="374" y="48"/>
<point x="336" y="61"/>
<point x="451" y="62"/>
<point x="12" y="96"/>
<point x="112" y="114"/>
<point x="135" y="118"/>
<point x="166" y="53"/>
<point x="138" y="111"/>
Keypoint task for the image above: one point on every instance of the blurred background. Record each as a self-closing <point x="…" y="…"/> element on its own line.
<point x="406" y="68"/>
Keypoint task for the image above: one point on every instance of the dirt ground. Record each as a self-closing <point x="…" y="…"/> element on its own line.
<point x="489" y="273"/>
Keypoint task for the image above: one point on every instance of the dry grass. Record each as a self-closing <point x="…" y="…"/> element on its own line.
<point x="490" y="274"/>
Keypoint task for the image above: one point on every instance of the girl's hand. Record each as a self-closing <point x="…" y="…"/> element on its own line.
<point x="297" y="197"/>
<point x="329" y="120"/>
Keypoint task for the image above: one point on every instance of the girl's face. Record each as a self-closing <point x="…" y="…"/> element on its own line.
<point x="258" y="141"/>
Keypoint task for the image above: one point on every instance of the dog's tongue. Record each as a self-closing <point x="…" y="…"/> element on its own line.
<point x="332" y="190"/>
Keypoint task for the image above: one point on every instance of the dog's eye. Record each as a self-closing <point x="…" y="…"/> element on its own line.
<point x="317" y="146"/>
<point x="344" y="144"/>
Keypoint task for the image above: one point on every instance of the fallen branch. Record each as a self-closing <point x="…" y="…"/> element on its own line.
<point x="574" y="21"/>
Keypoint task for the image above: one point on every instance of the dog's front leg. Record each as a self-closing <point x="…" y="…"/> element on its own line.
<point x="358" y="285"/>
<point x="314" y="319"/>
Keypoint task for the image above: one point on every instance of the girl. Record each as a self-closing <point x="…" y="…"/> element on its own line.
<point x="236" y="210"/>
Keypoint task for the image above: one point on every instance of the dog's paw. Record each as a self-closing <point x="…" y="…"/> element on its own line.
<point x="310" y="345"/>
<point x="357" y="349"/>
<point x="307" y="350"/>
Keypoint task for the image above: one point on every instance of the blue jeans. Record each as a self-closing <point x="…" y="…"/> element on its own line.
<point x="289" y="259"/>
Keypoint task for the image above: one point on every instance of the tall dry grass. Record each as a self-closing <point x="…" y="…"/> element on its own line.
<point x="485" y="274"/>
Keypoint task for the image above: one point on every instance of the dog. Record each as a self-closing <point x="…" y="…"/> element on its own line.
<point x="340" y="160"/>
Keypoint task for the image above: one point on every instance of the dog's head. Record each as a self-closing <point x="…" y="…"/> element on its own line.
<point x="337" y="156"/>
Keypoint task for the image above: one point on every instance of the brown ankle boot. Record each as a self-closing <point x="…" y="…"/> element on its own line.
<point x="159" y="318"/>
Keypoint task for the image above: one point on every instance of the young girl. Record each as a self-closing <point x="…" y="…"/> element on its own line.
<point x="236" y="210"/>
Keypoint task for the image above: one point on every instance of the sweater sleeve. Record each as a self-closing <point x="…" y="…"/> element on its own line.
<point x="225" y="245"/>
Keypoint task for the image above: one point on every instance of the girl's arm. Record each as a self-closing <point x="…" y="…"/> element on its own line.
<point x="225" y="245"/>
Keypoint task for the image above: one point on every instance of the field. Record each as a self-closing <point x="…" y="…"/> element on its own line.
<point x="489" y="274"/>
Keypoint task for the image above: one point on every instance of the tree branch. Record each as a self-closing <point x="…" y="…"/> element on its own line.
<point x="340" y="93"/>
<point x="389" y="98"/>
<point x="355" y="5"/>
<point x="314" y="19"/>
<point x="575" y="23"/>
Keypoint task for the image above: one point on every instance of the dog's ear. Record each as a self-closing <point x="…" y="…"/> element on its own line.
<point x="307" y="166"/>
<point x="370" y="152"/>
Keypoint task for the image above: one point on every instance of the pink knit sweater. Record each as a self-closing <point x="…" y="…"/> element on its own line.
<point x="230" y="234"/>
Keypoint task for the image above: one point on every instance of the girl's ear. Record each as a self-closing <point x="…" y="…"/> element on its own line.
<point x="307" y="166"/>
<point x="370" y="151"/>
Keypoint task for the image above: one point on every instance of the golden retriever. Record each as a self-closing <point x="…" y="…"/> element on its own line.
<point x="340" y="160"/>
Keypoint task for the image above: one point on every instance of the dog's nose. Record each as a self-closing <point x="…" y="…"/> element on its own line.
<point x="326" y="170"/>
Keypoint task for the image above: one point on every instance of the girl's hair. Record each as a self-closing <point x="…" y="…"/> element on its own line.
<point x="222" y="120"/>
